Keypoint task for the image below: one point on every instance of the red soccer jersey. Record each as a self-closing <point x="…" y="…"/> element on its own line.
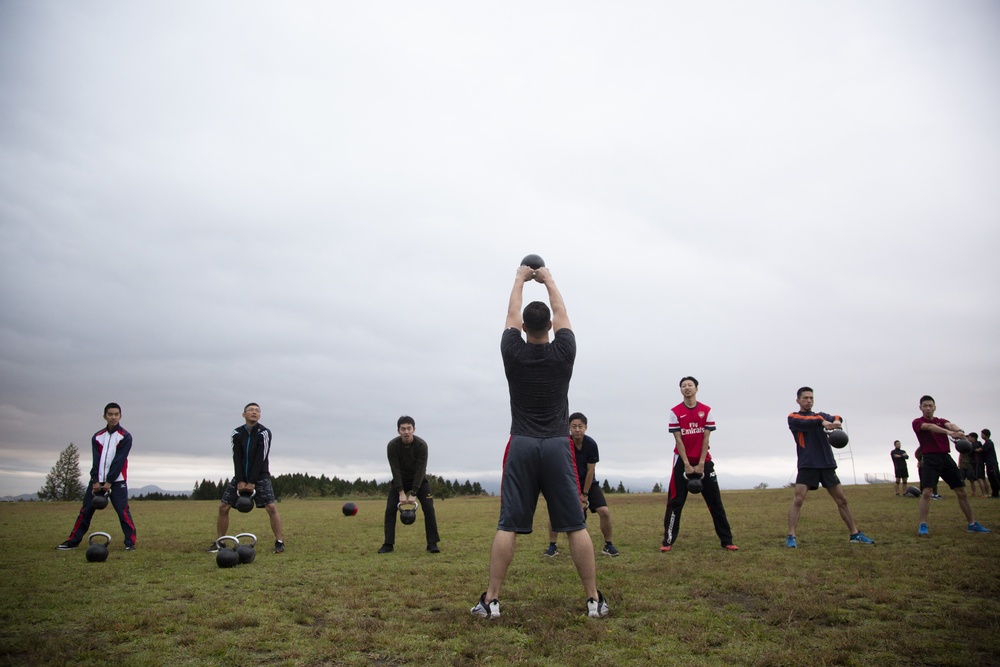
<point x="692" y="424"/>
<point x="930" y="442"/>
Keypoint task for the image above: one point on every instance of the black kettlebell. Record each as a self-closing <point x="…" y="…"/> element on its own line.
<point x="246" y="552"/>
<point x="97" y="552"/>
<point x="838" y="438"/>
<point x="695" y="485"/>
<point x="245" y="502"/>
<point x="227" y="556"/>
<point x="533" y="261"/>
<point x="349" y="509"/>
<point x="100" y="500"/>
<point x="963" y="446"/>
<point x="409" y="515"/>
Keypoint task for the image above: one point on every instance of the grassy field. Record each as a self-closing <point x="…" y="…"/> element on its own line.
<point x="330" y="600"/>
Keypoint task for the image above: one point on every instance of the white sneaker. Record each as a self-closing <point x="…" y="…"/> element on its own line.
<point x="486" y="609"/>
<point x="598" y="608"/>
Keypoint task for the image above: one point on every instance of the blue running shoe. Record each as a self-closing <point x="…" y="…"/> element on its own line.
<point x="791" y="543"/>
<point x="861" y="538"/>
<point x="976" y="527"/>
<point x="922" y="531"/>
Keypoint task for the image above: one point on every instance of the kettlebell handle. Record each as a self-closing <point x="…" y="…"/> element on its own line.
<point x="227" y="538"/>
<point x="250" y="535"/>
<point x="107" y="538"/>
<point x="248" y="495"/>
<point x="415" y="504"/>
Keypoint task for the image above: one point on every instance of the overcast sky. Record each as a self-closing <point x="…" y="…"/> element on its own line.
<point x="321" y="206"/>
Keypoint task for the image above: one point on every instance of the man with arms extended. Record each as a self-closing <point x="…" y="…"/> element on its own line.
<point x="251" y="450"/>
<point x="692" y="424"/>
<point x="110" y="446"/>
<point x="936" y="463"/>
<point x="539" y="454"/>
<point x="899" y="457"/>
<point x="587" y="457"/>
<point x="407" y="456"/>
<point x="816" y="465"/>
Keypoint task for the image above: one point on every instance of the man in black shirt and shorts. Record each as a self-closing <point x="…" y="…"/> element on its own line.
<point x="539" y="455"/>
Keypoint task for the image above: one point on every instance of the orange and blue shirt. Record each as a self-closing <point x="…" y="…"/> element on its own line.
<point x="811" y="445"/>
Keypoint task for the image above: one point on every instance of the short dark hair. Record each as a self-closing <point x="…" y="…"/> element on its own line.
<point x="973" y="435"/>
<point x="925" y="397"/>
<point x="896" y="442"/>
<point x="536" y="317"/>
<point x="405" y="419"/>
<point x="248" y="405"/>
<point x="987" y="433"/>
<point x="580" y="416"/>
<point x="688" y="377"/>
<point x="802" y="390"/>
<point x="112" y="405"/>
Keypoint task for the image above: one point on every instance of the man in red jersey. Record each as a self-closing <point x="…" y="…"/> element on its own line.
<point x="936" y="462"/>
<point x="692" y="423"/>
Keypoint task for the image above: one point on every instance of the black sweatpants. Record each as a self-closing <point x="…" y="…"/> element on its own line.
<point x="678" y="494"/>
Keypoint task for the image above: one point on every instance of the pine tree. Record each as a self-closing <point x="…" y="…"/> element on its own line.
<point x="63" y="481"/>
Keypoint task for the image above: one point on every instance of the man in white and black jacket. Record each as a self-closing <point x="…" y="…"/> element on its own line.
<point x="110" y="446"/>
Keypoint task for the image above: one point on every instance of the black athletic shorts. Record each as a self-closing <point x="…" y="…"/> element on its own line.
<point x="263" y="494"/>
<point x="813" y="477"/>
<point x="596" y="497"/>
<point x="939" y="466"/>
<point x="546" y="465"/>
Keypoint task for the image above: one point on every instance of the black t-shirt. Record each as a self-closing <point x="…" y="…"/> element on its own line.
<point x="587" y="453"/>
<point x="899" y="457"/>
<point x="538" y="377"/>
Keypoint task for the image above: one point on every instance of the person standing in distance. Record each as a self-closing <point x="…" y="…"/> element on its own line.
<point x="692" y="424"/>
<point x="110" y="446"/>
<point x="936" y="463"/>
<point x="816" y="465"/>
<point x="587" y="457"/>
<point x="990" y="455"/>
<point x="899" y="457"/>
<point x="978" y="459"/>
<point x="539" y="455"/>
<point x="407" y="456"/>
<point x="251" y="450"/>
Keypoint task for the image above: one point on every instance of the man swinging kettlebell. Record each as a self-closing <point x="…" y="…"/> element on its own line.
<point x="407" y="455"/>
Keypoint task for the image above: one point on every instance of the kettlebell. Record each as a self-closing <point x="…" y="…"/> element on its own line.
<point x="100" y="500"/>
<point x="97" y="552"/>
<point x="245" y="502"/>
<point x="409" y="515"/>
<point x="695" y="485"/>
<point x="246" y="552"/>
<point x="227" y="556"/>
<point x="349" y="509"/>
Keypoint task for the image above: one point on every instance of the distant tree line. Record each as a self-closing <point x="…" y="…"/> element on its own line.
<point x="302" y="485"/>
<point x="606" y="488"/>
<point x="156" y="495"/>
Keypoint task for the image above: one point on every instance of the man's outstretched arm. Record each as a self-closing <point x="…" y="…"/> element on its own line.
<point x="560" y="318"/>
<point x="514" y="321"/>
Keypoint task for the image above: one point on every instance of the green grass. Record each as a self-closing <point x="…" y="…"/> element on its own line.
<point x="330" y="600"/>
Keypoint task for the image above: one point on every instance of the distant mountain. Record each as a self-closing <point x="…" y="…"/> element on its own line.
<point x="151" y="488"/>
<point x="21" y="498"/>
